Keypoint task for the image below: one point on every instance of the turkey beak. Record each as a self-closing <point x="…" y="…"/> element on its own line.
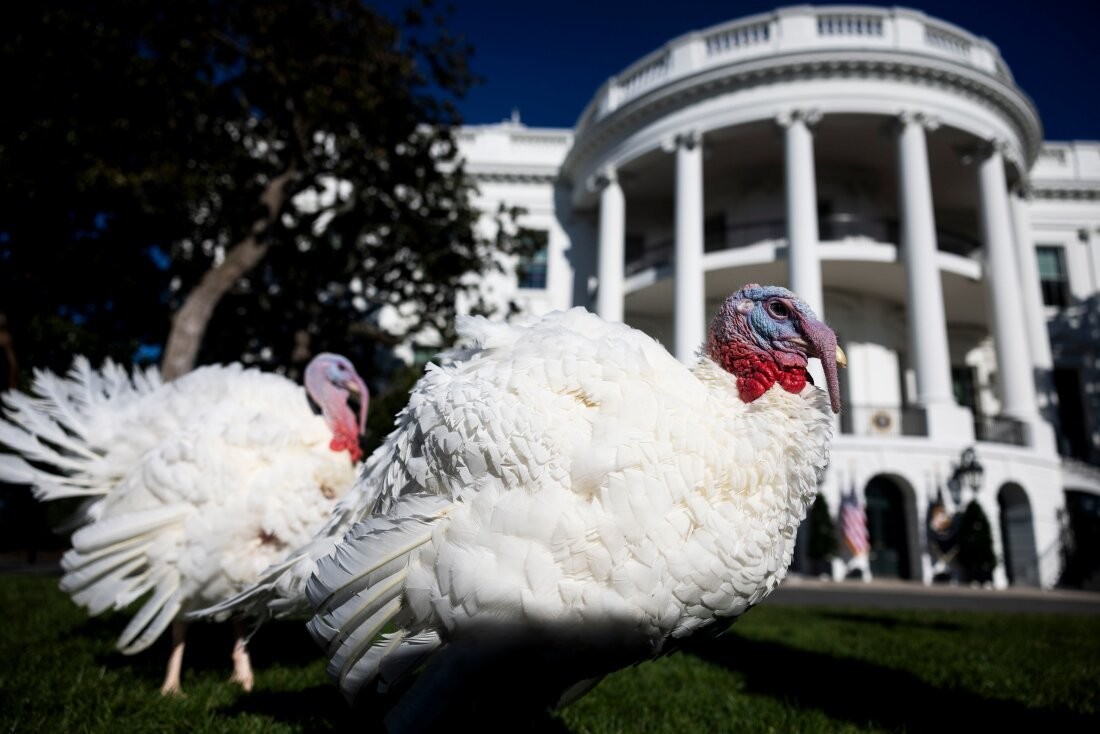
<point x="356" y="386"/>
<point x="823" y="345"/>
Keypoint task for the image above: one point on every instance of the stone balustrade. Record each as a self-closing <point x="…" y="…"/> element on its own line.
<point x="791" y="31"/>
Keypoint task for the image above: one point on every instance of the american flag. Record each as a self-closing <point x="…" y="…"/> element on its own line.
<point x="854" y="524"/>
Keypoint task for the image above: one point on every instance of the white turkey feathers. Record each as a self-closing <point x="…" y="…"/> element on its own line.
<point x="194" y="486"/>
<point x="561" y="498"/>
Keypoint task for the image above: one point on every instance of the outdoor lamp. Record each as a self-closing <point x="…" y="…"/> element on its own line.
<point x="969" y="472"/>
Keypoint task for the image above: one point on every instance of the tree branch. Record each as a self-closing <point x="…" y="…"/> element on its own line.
<point x="190" y="322"/>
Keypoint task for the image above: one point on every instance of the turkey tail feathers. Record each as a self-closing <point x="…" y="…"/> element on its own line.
<point x="109" y="531"/>
<point x="36" y="420"/>
<point x="53" y="427"/>
<point x="357" y="590"/>
<point x="15" y="469"/>
<point x="45" y="486"/>
<point x="108" y="568"/>
<point x="154" y="617"/>
<point x="93" y="581"/>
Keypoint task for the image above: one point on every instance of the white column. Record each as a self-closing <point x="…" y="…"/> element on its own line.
<point x="1089" y="240"/>
<point x="1031" y="291"/>
<point x="1014" y="366"/>
<point x="929" y="352"/>
<point x="1031" y="294"/>
<point x="609" y="293"/>
<point x="928" y="348"/>
<point x="804" y="268"/>
<point x="690" y="306"/>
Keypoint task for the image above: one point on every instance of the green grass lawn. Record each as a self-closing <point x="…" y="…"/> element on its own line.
<point x="779" y="669"/>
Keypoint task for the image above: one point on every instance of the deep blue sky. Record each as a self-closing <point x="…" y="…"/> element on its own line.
<point x="548" y="57"/>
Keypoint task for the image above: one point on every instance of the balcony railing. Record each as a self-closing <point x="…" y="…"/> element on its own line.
<point x="832" y="228"/>
<point x="793" y="30"/>
<point x="883" y="420"/>
<point x="997" y="429"/>
<point x="657" y="256"/>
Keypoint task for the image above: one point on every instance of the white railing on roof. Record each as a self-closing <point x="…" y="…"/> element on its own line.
<point x="1055" y="154"/>
<point x="557" y="139"/>
<point x="642" y="76"/>
<point x="729" y="39"/>
<point x="1061" y="163"/>
<point x="849" y="24"/>
<point x="801" y="29"/>
<point x="946" y="40"/>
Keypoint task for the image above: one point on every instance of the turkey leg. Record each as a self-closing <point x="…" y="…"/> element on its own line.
<point x="175" y="661"/>
<point x="242" y="665"/>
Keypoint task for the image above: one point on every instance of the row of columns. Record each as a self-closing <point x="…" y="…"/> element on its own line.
<point x="1015" y="301"/>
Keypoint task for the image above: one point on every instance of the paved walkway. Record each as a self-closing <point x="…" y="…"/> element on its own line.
<point x="805" y="591"/>
<point x="895" y="594"/>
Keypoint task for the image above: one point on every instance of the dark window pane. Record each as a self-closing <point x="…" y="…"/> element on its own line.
<point x="531" y="269"/>
<point x="966" y="393"/>
<point x="1052" y="275"/>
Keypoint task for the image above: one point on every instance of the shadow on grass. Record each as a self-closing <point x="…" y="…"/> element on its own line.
<point x="889" y="622"/>
<point x="316" y="709"/>
<point x="208" y="647"/>
<point x="870" y="695"/>
<point x="283" y="643"/>
<point x="322" y="709"/>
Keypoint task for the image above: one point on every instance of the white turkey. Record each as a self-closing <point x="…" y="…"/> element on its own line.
<point x="192" y="487"/>
<point x="563" y="498"/>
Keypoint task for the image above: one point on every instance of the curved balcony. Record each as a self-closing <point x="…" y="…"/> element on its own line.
<point x="833" y="228"/>
<point x="1001" y="429"/>
<point x="883" y="420"/>
<point x="757" y="71"/>
<point x="895" y="420"/>
<point x="793" y="30"/>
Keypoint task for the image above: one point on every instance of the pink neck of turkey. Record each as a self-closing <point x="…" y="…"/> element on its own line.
<point x="332" y="398"/>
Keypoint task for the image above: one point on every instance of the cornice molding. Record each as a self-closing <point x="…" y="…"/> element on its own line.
<point x="1007" y="100"/>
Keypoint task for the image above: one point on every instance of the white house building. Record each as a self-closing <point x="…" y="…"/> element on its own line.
<point x="885" y="166"/>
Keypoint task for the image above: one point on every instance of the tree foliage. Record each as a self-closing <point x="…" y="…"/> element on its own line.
<point x="1080" y="541"/>
<point x="291" y="162"/>
<point x="976" y="557"/>
<point x="823" y="542"/>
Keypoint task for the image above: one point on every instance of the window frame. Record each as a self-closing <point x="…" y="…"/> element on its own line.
<point x="533" y="270"/>
<point x="1055" y="291"/>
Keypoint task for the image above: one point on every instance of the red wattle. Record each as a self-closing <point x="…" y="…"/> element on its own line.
<point x="757" y="370"/>
<point x="793" y="380"/>
<point x="346" y="442"/>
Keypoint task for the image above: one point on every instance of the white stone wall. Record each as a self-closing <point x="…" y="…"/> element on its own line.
<point x="515" y="166"/>
<point x="1064" y="211"/>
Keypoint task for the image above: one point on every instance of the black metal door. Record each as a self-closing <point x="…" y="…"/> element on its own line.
<point x="889" y="554"/>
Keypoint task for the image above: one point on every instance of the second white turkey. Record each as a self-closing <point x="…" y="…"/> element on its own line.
<point x="192" y="487"/>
